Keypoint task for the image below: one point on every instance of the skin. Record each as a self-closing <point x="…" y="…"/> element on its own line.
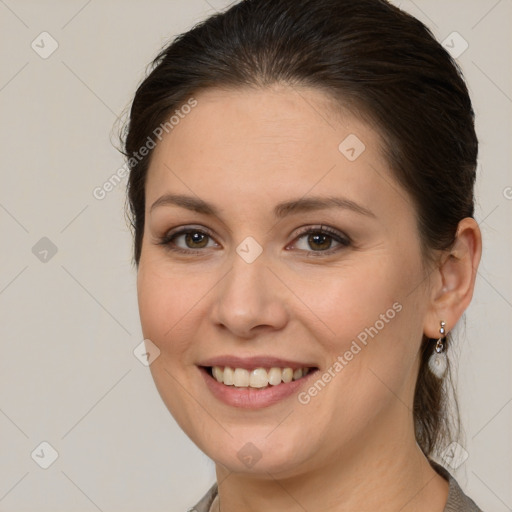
<point x="352" y="447"/>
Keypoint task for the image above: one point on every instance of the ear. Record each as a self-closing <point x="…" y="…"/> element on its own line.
<point x="453" y="281"/>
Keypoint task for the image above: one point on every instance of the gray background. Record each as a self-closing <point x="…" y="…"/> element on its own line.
<point x="69" y="320"/>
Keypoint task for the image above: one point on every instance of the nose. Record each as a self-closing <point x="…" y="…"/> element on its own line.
<point x="250" y="299"/>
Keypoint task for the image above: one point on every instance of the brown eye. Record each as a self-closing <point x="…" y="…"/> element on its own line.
<point x="320" y="241"/>
<point x="196" y="239"/>
<point x="188" y="241"/>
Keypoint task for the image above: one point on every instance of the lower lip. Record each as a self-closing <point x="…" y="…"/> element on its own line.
<point x="253" y="398"/>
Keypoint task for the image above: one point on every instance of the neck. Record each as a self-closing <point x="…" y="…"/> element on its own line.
<point x="385" y="472"/>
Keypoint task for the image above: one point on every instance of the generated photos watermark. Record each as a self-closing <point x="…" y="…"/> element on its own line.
<point x="100" y="192"/>
<point x="304" y="397"/>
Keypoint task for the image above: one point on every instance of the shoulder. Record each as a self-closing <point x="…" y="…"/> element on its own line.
<point x="204" y="504"/>
<point x="457" y="501"/>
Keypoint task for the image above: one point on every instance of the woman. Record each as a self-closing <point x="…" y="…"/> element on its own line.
<point x="301" y="192"/>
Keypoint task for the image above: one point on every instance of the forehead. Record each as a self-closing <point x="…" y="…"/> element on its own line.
<point x="275" y="117"/>
<point x="257" y="145"/>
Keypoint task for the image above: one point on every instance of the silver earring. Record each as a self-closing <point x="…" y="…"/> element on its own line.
<point x="438" y="362"/>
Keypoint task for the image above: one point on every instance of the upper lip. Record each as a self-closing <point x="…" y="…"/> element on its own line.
<point x="250" y="363"/>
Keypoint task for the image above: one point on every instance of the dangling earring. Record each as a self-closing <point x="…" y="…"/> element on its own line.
<point x="438" y="362"/>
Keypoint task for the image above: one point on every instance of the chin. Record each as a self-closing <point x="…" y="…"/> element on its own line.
<point x="257" y="450"/>
<point x="245" y="431"/>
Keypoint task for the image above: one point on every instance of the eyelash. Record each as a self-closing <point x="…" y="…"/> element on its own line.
<point x="343" y="240"/>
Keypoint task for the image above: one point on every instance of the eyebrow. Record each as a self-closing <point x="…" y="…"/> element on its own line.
<point x="305" y="204"/>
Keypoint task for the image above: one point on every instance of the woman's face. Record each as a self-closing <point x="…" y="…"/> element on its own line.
<point x="277" y="237"/>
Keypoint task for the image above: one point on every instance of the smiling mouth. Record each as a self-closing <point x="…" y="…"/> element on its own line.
<point x="257" y="378"/>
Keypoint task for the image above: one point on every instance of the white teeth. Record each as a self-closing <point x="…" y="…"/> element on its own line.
<point x="257" y="378"/>
<point x="287" y="375"/>
<point x="229" y="376"/>
<point x="274" y="376"/>
<point x="241" y="378"/>
<point x="217" y="373"/>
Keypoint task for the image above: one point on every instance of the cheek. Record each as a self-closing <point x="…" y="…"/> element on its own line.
<point x="370" y="359"/>
<point x="168" y="301"/>
<point x="345" y="302"/>
<point x="369" y="316"/>
<point x="168" y="307"/>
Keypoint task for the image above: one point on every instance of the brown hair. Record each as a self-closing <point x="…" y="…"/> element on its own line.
<point x="377" y="61"/>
